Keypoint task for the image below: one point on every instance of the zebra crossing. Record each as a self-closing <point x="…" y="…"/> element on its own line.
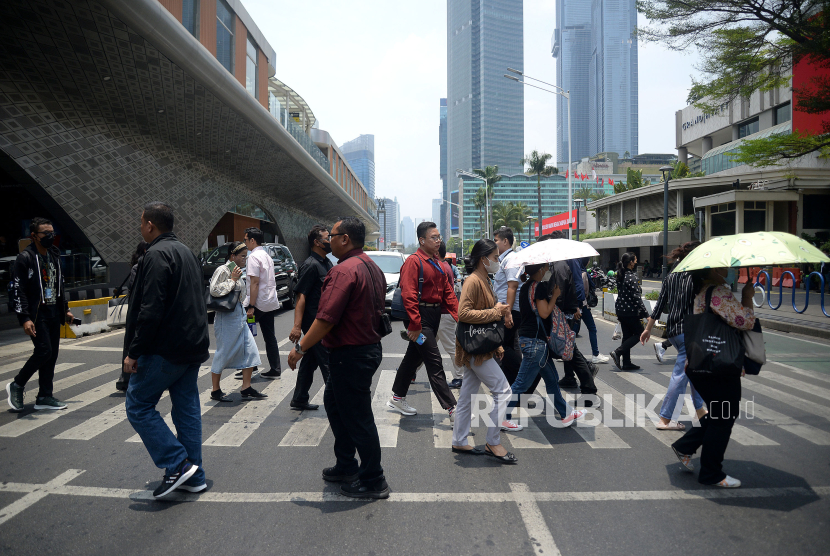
<point x="779" y="399"/>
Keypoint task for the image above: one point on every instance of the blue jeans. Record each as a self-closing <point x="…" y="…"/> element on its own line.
<point x="677" y="384"/>
<point x="155" y="375"/>
<point x="536" y="360"/>
<point x="588" y="319"/>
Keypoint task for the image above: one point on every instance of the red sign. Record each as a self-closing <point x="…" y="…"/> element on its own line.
<point x="558" y="222"/>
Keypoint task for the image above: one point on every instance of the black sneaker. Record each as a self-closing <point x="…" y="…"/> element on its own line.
<point x="15" y="393"/>
<point x="238" y="375"/>
<point x="454" y="383"/>
<point x="568" y="383"/>
<point x="49" y="402"/>
<point x="630" y="367"/>
<point x="616" y="359"/>
<point x="250" y="393"/>
<point x="358" y="489"/>
<point x="335" y="475"/>
<point x="219" y="396"/>
<point x="272" y="374"/>
<point x="594" y="369"/>
<point x="192" y="488"/>
<point x="173" y="481"/>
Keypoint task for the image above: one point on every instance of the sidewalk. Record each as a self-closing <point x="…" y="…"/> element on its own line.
<point x="811" y="322"/>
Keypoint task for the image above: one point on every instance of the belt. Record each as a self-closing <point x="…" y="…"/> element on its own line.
<point x="422" y="304"/>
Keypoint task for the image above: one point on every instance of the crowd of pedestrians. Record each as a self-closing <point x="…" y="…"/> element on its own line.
<point x="338" y="325"/>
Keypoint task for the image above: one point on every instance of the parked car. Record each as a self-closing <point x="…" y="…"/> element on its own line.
<point x="285" y="269"/>
<point x="390" y="263"/>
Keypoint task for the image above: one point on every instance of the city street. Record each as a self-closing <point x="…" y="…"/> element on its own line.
<point x="78" y="482"/>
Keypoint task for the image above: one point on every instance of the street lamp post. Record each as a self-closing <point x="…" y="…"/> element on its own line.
<point x="567" y="96"/>
<point x="529" y="226"/>
<point x="577" y="202"/>
<point x="486" y="198"/>
<point x="666" y="170"/>
<point x="460" y="227"/>
<point x="382" y="209"/>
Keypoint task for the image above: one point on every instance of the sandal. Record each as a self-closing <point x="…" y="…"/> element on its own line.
<point x="670" y="426"/>
<point x="474" y="452"/>
<point x="507" y="458"/>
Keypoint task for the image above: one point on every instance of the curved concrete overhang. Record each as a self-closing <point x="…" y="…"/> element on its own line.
<point x="153" y="22"/>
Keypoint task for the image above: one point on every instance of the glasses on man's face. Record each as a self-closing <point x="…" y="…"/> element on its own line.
<point x="436" y="239"/>
<point x="335" y="235"/>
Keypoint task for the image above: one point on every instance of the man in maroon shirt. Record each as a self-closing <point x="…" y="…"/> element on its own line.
<point x="348" y="319"/>
<point x="424" y="318"/>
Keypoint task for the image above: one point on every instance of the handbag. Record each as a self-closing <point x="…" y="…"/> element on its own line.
<point x="562" y="338"/>
<point x="591" y="298"/>
<point x="398" y="310"/>
<point x="478" y="339"/>
<point x="385" y="325"/>
<point x="117" y="311"/>
<point x="712" y="346"/>
<point x="756" y="353"/>
<point x="225" y="304"/>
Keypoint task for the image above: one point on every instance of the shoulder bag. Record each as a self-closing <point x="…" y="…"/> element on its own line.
<point x="562" y="338"/>
<point x="398" y="310"/>
<point x="225" y="304"/>
<point x="712" y="346"/>
<point x="756" y="353"/>
<point x="478" y="339"/>
<point x="385" y="325"/>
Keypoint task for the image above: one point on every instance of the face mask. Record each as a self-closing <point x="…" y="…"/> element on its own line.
<point x="547" y="276"/>
<point x="730" y="276"/>
<point x="491" y="266"/>
<point x="46" y="241"/>
<point x="326" y="246"/>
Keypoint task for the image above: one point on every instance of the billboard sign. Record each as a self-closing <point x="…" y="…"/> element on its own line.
<point x="559" y="222"/>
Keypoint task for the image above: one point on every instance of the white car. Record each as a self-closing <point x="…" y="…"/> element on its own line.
<point x="390" y="264"/>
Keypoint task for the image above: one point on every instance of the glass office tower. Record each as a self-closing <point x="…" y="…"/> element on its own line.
<point x="443" y="222"/>
<point x="485" y="111"/>
<point x="360" y="154"/>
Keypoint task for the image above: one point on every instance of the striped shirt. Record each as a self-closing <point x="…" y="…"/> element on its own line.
<point x="677" y="299"/>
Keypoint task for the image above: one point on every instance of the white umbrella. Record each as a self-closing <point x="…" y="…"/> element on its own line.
<point x="550" y="251"/>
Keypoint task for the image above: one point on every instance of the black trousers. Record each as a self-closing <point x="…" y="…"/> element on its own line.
<point x="427" y="354"/>
<point x="317" y="356"/>
<point x="578" y="366"/>
<point x="265" y="321"/>
<point x="723" y="398"/>
<point x="632" y="327"/>
<point x="43" y="359"/>
<point x="512" y="361"/>
<point x="348" y="402"/>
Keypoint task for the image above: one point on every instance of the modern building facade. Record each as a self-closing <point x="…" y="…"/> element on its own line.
<point x="511" y="188"/>
<point x="360" y="154"/>
<point x="112" y="104"/>
<point x="444" y="214"/>
<point x="408" y="232"/>
<point x="436" y="212"/>
<point x="485" y="111"/>
<point x="389" y="222"/>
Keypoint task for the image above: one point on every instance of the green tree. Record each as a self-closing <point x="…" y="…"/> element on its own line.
<point x="522" y="211"/>
<point x="681" y="170"/>
<point x="537" y="164"/>
<point x="512" y="215"/>
<point x="491" y="178"/>
<point x="479" y="202"/>
<point x="746" y="46"/>
<point x="626" y="154"/>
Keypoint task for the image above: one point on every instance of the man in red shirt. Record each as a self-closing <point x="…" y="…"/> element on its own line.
<point x="424" y="318"/>
<point x="348" y="320"/>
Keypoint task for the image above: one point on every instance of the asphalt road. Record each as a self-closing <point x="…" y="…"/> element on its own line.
<point x="74" y="483"/>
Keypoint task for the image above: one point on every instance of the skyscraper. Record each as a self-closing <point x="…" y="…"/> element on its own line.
<point x="612" y="77"/>
<point x="390" y="222"/>
<point x="571" y="46"/>
<point x="596" y="60"/>
<point x="360" y="154"/>
<point x="408" y="231"/>
<point x="437" y="205"/>
<point x="443" y="221"/>
<point x="485" y="111"/>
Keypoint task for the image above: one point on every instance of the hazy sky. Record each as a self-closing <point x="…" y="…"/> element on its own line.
<point x="380" y="67"/>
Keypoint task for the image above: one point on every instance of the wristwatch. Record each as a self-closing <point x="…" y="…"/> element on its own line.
<point x="299" y="349"/>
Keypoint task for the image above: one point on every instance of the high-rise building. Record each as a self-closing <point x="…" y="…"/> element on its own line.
<point x="360" y="154"/>
<point x="408" y="231"/>
<point x="612" y="77"/>
<point x="437" y="205"/>
<point x="485" y="111"/>
<point x="389" y="222"/>
<point x="596" y="61"/>
<point x="443" y="215"/>
<point x="571" y="47"/>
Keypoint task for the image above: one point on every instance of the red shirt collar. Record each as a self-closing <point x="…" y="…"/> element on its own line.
<point x="421" y="253"/>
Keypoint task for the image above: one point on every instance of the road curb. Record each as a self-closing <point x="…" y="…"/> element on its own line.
<point x="794" y="328"/>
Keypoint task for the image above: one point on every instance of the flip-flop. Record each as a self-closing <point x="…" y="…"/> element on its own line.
<point x="474" y="452"/>
<point x="670" y="426"/>
<point x="509" y="457"/>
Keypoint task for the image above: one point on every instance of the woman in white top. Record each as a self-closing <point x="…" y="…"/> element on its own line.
<point x="235" y="345"/>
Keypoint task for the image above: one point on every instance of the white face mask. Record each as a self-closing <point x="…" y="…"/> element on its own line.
<point x="547" y="276"/>
<point x="491" y="266"/>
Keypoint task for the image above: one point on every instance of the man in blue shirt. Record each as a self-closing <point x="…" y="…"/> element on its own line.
<point x="506" y="287"/>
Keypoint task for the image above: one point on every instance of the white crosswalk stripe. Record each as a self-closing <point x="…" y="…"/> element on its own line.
<point x="104" y="421"/>
<point x="598" y="437"/>
<point x="790" y="382"/>
<point x="740" y="434"/>
<point x="14" y="368"/>
<point x="83" y="376"/>
<point x="621" y="403"/>
<point x="804" y="372"/>
<point x="795" y="401"/>
<point x="248" y="419"/>
<point x="311" y="425"/>
<point x="386" y="420"/>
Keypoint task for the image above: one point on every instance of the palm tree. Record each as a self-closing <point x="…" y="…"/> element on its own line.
<point x="522" y="211"/>
<point x="479" y="202"/>
<point x="491" y="178"/>
<point x="585" y="192"/>
<point x="538" y="164"/>
<point x="512" y="215"/>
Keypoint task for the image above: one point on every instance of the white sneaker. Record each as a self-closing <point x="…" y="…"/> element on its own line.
<point x="729" y="482"/>
<point x="510" y="426"/>
<point x="659" y="351"/>
<point x="572" y="418"/>
<point x="452" y="415"/>
<point x="599" y="359"/>
<point x="401" y="406"/>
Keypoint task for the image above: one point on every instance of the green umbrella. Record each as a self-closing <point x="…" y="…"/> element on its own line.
<point x="756" y="249"/>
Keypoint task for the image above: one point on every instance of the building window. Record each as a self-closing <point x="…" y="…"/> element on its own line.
<point x="224" y="35"/>
<point x="190" y="16"/>
<point x="251" y="68"/>
<point x="783" y="114"/>
<point x="748" y="128"/>
<point x="274" y="105"/>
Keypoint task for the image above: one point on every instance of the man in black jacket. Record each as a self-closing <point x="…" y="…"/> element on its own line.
<point x="40" y="305"/>
<point x="166" y="340"/>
